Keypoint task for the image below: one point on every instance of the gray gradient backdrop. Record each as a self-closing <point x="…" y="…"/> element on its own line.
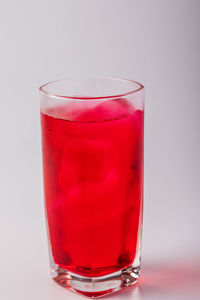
<point x="154" y="42"/>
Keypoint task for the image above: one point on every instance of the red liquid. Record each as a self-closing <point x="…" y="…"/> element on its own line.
<point x="93" y="179"/>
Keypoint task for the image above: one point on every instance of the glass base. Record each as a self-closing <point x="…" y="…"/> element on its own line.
<point x="96" y="287"/>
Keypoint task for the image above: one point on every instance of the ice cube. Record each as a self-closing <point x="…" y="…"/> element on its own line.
<point x="107" y="110"/>
<point x="114" y="109"/>
<point x="83" y="159"/>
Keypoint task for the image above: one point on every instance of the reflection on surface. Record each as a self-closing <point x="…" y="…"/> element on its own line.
<point x="172" y="280"/>
<point x="183" y="277"/>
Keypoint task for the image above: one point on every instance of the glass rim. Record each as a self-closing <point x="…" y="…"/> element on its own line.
<point x="43" y="90"/>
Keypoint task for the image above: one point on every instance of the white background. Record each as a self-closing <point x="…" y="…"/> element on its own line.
<point x="155" y="42"/>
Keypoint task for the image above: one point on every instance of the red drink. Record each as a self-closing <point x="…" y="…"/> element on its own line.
<point x="93" y="180"/>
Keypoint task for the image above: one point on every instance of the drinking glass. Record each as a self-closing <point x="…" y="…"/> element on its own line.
<point x="92" y="144"/>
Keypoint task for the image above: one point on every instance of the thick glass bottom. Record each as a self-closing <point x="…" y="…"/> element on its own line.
<point x="96" y="287"/>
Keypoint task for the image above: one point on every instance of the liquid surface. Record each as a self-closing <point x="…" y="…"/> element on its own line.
<point x="93" y="174"/>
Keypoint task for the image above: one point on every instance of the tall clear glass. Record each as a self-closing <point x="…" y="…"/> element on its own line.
<point x="92" y="142"/>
